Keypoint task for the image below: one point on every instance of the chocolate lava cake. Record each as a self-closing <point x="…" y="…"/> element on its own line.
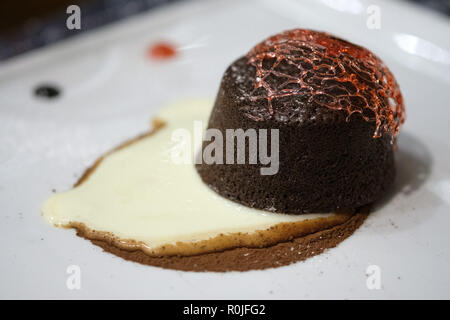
<point x="338" y="109"/>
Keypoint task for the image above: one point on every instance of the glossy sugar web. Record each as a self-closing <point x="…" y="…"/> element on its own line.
<point x="329" y="72"/>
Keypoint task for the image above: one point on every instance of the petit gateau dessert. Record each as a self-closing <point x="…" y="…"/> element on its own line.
<point x="337" y="108"/>
<point x="335" y="111"/>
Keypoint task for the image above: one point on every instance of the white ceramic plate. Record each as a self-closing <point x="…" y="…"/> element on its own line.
<point x="111" y="90"/>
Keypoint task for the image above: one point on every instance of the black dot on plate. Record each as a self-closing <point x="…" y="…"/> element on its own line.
<point x="47" y="91"/>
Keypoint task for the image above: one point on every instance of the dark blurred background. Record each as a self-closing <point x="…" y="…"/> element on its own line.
<point x="29" y="24"/>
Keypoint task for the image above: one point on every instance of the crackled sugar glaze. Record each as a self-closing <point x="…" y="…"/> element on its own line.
<point x="334" y="73"/>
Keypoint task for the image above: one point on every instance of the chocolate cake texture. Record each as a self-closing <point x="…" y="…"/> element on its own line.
<point x="338" y="109"/>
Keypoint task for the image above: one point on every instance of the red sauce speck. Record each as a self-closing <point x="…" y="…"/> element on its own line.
<point x="162" y="50"/>
<point x="322" y="59"/>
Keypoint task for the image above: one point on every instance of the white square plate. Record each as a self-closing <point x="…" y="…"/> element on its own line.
<point x="110" y="92"/>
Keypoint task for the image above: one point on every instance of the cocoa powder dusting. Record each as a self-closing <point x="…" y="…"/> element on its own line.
<point x="245" y="259"/>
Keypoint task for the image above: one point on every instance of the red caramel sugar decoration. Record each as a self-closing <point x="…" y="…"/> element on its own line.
<point x="334" y="73"/>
